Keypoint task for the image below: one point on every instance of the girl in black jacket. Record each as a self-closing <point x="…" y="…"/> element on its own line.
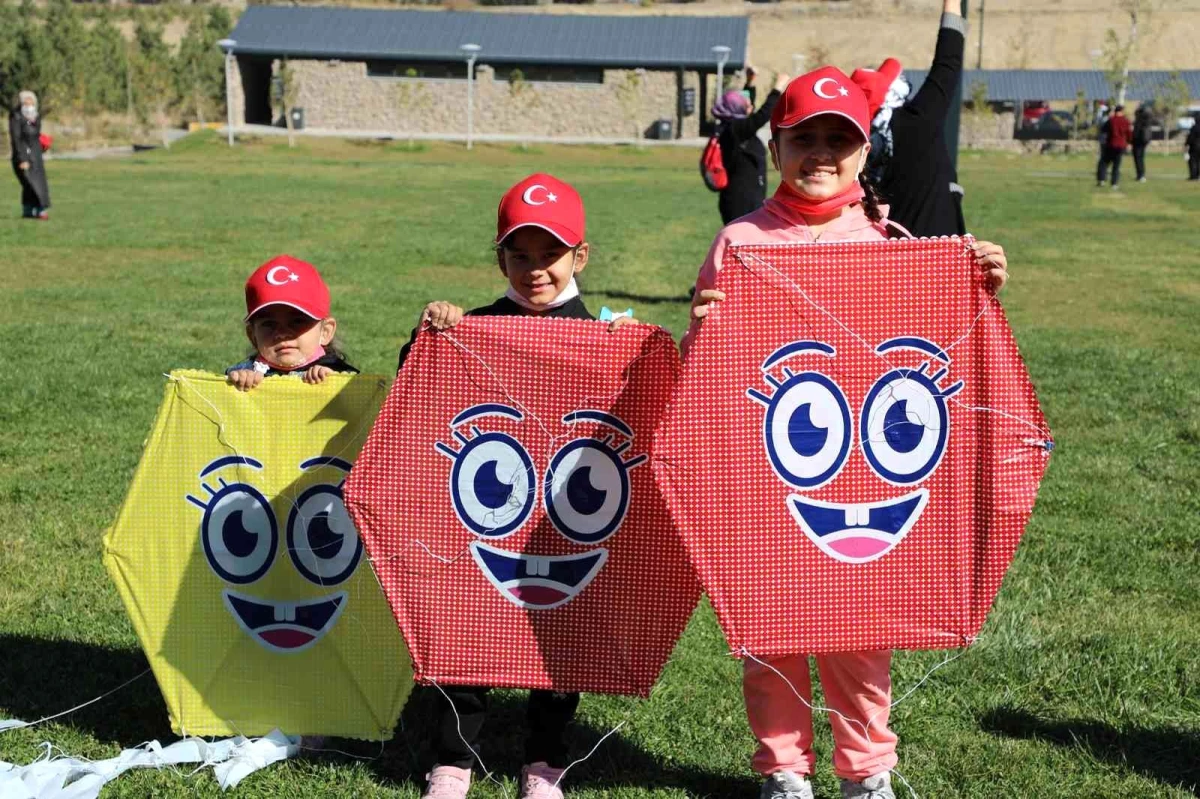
<point x="742" y="152"/>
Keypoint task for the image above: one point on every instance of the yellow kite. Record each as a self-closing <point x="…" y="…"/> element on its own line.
<point x="242" y="572"/>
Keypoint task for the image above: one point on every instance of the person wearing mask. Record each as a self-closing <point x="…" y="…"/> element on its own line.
<point x="1115" y="135"/>
<point x="910" y="157"/>
<point x="25" y="135"/>
<point x="742" y="152"/>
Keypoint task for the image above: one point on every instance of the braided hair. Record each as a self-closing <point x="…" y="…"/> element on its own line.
<point x="871" y="199"/>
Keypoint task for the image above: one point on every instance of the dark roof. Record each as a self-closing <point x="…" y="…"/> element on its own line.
<point x="360" y="34"/>
<point x="1062" y="84"/>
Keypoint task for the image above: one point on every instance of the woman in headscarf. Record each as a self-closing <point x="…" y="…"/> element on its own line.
<point x="909" y="158"/>
<point x="742" y="152"/>
<point x="24" y="132"/>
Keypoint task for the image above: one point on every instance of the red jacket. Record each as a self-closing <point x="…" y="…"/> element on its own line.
<point x="1118" y="131"/>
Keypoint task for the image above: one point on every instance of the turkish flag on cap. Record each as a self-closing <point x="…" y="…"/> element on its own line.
<point x="543" y="201"/>
<point x="823" y="91"/>
<point x="285" y="280"/>
<point x="876" y="82"/>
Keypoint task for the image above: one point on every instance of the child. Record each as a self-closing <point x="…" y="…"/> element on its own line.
<point x="289" y="326"/>
<point x="819" y="144"/>
<point x="540" y="248"/>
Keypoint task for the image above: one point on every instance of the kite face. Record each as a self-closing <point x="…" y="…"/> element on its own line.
<point x="241" y="570"/>
<point x="854" y="448"/>
<point x="507" y="501"/>
<point x="903" y="428"/>
<point x="240" y="535"/>
<point x="585" y="493"/>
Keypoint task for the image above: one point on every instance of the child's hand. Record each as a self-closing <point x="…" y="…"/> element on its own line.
<point x="991" y="259"/>
<point x="315" y="374"/>
<point x="245" y="379"/>
<point x="442" y="315"/>
<point x="620" y="322"/>
<point x="702" y="300"/>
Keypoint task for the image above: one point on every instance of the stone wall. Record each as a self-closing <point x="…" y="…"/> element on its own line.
<point x="339" y="95"/>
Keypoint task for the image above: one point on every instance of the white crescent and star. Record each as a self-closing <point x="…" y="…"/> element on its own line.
<point x="274" y="281"/>
<point x="528" y="195"/>
<point x="819" y="90"/>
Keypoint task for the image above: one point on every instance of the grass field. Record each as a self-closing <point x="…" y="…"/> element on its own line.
<point x="1086" y="682"/>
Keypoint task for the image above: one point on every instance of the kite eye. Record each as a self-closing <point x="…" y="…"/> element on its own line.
<point x="905" y="426"/>
<point x="239" y="533"/>
<point x="492" y="484"/>
<point x="587" y="489"/>
<point x="807" y="430"/>
<point x="322" y="541"/>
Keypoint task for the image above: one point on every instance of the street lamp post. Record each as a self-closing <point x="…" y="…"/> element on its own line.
<point x="471" y="51"/>
<point x="722" y="54"/>
<point x="227" y="45"/>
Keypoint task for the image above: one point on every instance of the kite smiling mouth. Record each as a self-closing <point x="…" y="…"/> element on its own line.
<point x="538" y="582"/>
<point x="858" y="533"/>
<point x="285" y="626"/>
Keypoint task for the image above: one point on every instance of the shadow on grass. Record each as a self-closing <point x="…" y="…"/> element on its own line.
<point x="40" y="677"/>
<point x="1171" y="756"/>
<point x="618" y="762"/>
<point x="649" y="299"/>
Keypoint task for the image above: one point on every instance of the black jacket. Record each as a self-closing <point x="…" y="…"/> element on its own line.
<point x="918" y="178"/>
<point x="572" y="309"/>
<point x="1193" y="139"/>
<point x="26" y="146"/>
<point x="745" y="160"/>
<point x="1141" y="128"/>
<point x="334" y="362"/>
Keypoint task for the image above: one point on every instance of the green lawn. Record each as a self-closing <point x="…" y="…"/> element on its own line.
<point x="1086" y="681"/>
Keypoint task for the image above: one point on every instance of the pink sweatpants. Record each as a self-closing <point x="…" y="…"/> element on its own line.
<point x="857" y="685"/>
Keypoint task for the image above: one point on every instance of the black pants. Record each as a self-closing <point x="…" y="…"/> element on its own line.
<point x="1139" y="160"/>
<point x="1110" y="155"/>
<point x="1194" y="165"/>
<point x="548" y="715"/>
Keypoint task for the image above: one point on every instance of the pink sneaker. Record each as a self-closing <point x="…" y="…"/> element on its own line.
<point x="447" y="782"/>
<point x="539" y="781"/>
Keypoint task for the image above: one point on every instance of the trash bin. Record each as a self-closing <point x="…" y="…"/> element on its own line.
<point x="660" y="129"/>
<point x="297" y="119"/>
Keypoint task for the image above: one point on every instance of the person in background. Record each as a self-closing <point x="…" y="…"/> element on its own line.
<point x="1192" y="151"/>
<point x="1141" y="139"/>
<point x="24" y="133"/>
<point x="910" y="158"/>
<point x="742" y="152"/>
<point x="1115" y="136"/>
<point x="749" y="88"/>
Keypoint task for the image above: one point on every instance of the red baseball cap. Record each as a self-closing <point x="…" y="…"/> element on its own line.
<point x="543" y="201"/>
<point x="823" y="91"/>
<point x="285" y="280"/>
<point x="876" y="82"/>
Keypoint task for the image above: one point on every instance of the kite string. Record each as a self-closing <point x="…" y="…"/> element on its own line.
<point x="27" y="724"/>
<point x="738" y="254"/>
<point x="458" y="728"/>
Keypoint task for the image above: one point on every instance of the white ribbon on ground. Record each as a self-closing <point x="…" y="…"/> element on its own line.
<point x="232" y="759"/>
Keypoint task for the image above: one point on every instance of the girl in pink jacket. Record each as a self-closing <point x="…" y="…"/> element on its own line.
<point x="819" y="144"/>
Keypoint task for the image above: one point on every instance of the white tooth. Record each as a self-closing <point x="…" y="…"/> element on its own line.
<point x="280" y="611"/>
<point x="531" y="566"/>
<point x="864" y="516"/>
<point x="851" y="515"/>
<point x="544" y="571"/>
<point x="290" y="611"/>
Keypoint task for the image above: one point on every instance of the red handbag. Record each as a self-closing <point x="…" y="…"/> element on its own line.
<point x="45" y="139"/>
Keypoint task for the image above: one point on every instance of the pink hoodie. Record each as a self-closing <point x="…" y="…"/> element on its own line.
<point x="775" y="223"/>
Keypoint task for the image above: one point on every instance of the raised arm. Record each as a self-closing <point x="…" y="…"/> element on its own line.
<point x="932" y="101"/>
<point x="745" y="128"/>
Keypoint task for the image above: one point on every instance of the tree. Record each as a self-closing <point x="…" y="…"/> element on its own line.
<point x="200" y="64"/>
<point x="1118" y="51"/>
<point x="286" y="89"/>
<point x="154" y="77"/>
<point x="104" y="63"/>
<point x="1169" y="97"/>
<point x="68" y="38"/>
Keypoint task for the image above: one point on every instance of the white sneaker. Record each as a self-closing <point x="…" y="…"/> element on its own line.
<point x="786" y="785"/>
<point x="877" y="786"/>
<point x="1141" y="180"/>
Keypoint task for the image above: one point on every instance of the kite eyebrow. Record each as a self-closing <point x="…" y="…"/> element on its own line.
<point x="487" y="409"/>
<point x="598" y="416"/>
<point x="229" y="460"/>
<point x="913" y="343"/>
<point x="797" y="348"/>
<point x="325" y="460"/>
